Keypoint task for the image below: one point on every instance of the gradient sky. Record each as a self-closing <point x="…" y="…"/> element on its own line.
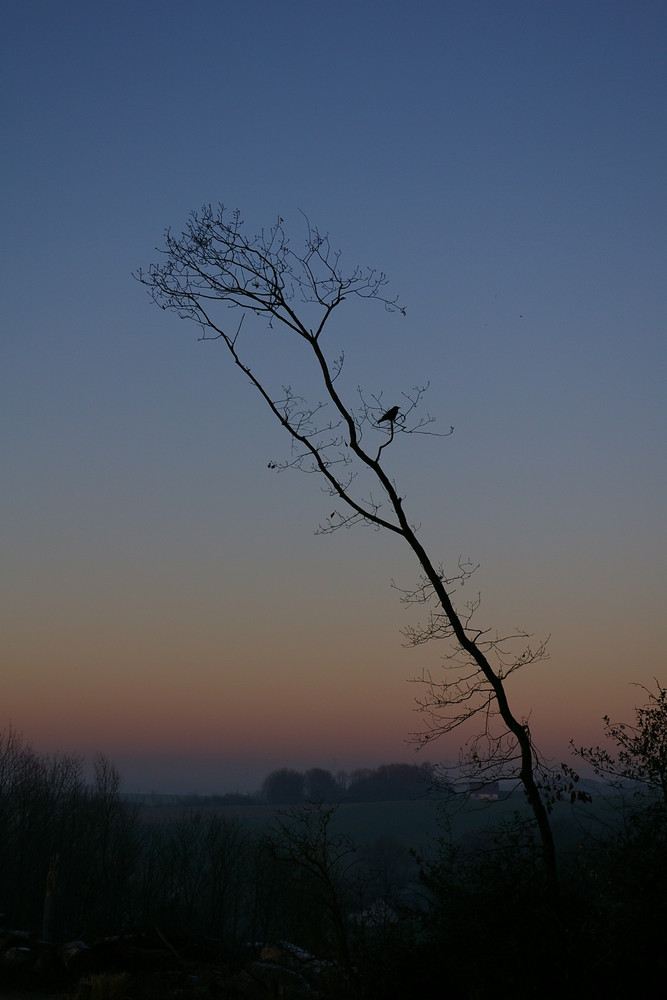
<point x="164" y="598"/>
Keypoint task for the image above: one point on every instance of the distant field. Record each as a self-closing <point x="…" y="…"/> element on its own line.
<point x="420" y="823"/>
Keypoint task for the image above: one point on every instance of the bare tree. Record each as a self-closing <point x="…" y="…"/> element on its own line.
<point x="214" y="266"/>
<point x="321" y="863"/>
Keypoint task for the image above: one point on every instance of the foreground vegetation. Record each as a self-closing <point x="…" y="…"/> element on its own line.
<point x="202" y="902"/>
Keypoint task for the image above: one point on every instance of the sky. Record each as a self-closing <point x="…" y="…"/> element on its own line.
<point x="165" y="599"/>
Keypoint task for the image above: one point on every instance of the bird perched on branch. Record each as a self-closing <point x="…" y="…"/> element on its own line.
<point x="390" y="415"/>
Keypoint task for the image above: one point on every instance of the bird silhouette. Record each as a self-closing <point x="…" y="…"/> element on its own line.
<point x="390" y="415"/>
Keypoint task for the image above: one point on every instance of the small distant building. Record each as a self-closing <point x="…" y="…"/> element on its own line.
<point x="484" y="789"/>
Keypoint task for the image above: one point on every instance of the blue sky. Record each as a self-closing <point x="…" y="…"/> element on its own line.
<point x="164" y="599"/>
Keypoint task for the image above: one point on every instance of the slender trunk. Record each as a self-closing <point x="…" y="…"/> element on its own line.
<point x="518" y="729"/>
<point x="50" y="899"/>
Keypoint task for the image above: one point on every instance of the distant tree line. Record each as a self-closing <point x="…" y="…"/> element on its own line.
<point x="387" y="783"/>
<point x="286" y="786"/>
